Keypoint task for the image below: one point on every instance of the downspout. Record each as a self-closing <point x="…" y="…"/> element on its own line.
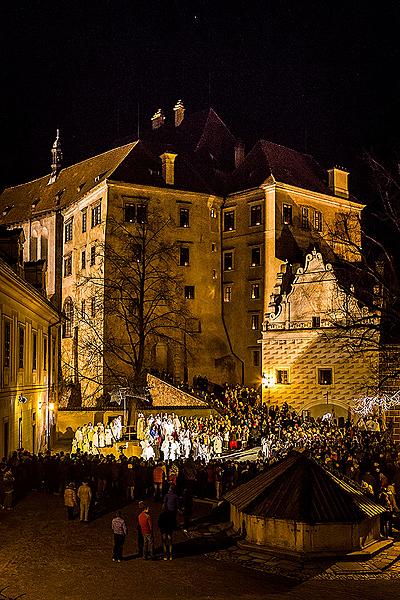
<point x="50" y="375"/>
<point x="222" y="303"/>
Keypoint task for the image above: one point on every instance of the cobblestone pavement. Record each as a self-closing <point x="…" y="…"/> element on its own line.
<point x="46" y="557"/>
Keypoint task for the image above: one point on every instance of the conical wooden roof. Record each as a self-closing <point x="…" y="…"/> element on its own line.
<point x="300" y="489"/>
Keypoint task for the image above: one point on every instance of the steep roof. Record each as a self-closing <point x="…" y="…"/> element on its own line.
<point x="300" y="489"/>
<point x="20" y="202"/>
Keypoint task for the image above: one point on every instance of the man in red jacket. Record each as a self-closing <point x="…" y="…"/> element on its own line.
<point x="146" y="526"/>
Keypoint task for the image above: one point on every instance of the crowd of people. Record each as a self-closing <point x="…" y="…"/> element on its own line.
<point x="194" y="455"/>
<point x="91" y="438"/>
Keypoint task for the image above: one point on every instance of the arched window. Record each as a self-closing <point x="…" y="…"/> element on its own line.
<point x="69" y="315"/>
<point x="44" y="247"/>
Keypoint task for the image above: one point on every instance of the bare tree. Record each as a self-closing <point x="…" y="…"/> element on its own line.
<point x="131" y="302"/>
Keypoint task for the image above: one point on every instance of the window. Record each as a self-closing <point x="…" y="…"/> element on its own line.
<point x="92" y="256"/>
<point x="83" y="259"/>
<point x="93" y="307"/>
<point x="84" y="221"/>
<point x="305" y="221"/>
<point x="137" y="252"/>
<point x="33" y="248"/>
<point x="213" y="247"/>
<point x="44" y="353"/>
<point x="21" y="347"/>
<point x="256" y="358"/>
<point x="227" y="293"/>
<point x="34" y="351"/>
<point x="44" y="247"/>
<point x="255" y="215"/>
<point x="316" y="322"/>
<point x="255" y="321"/>
<point x="189" y="292"/>
<point x="282" y="376"/>
<point x="7" y="343"/>
<point x="255" y="257"/>
<point x="183" y="256"/>
<point x="83" y="309"/>
<point x="325" y="376"/>
<point x="69" y="318"/>
<point x="317" y="220"/>
<point x="135" y="212"/>
<point x="287" y="214"/>
<point x="229" y="220"/>
<point x="228" y="261"/>
<point x="255" y="291"/>
<point x="213" y="213"/>
<point x="68" y="265"/>
<point x="68" y="231"/>
<point x="96" y="215"/>
<point x="183" y="217"/>
<point x="214" y="274"/>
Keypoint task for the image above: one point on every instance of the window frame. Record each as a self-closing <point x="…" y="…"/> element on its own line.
<point x="225" y="255"/>
<point x="96" y="214"/>
<point x="282" y="376"/>
<point x="182" y="261"/>
<point x="227" y="293"/>
<point x="68" y="230"/>
<point x="287" y="214"/>
<point x="226" y="213"/>
<point x="184" y="222"/>
<point x="252" y="262"/>
<point x="253" y="209"/>
<point x="254" y="286"/>
<point x="255" y="322"/>
<point x="317" y="221"/>
<point x="84" y="220"/>
<point x="68" y="265"/>
<point x="189" y="292"/>
<point x="93" y="255"/>
<point x="305" y="218"/>
<point x="320" y="371"/>
<point x="256" y="361"/>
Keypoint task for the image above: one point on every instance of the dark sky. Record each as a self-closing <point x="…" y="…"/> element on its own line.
<point x="317" y="76"/>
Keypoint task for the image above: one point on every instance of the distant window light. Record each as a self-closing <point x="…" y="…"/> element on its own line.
<point x="84" y="221"/>
<point x="228" y="261"/>
<point x="287" y="216"/>
<point x="256" y="358"/>
<point x="316" y="322"/>
<point x="68" y="265"/>
<point x="255" y="215"/>
<point x="184" y="256"/>
<point x="255" y="291"/>
<point x="96" y="215"/>
<point x="227" y="293"/>
<point x="325" y="376"/>
<point x="183" y="217"/>
<point x="255" y="257"/>
<point x="68" y="231"/>
<point x="213" y="213"/>
<point x="318" y="220"/>
<point x="229" y="220"/>
<point x="282" y="376"/>
<point x="189" y="292"/>
<point x="305" y="217"/>
<point x="255" y="322"/>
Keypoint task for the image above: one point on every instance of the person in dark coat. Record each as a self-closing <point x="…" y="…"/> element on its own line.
<point x="166" y="525"/>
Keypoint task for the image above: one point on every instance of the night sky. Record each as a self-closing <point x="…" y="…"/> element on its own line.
<point x="321" y="77"/>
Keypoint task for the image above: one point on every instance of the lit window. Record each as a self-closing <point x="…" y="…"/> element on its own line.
<point x="21" y="347"/>
<point x="141" y="213"/>
<point x="255" y="257"/>
<point x="316" y="322"/>
<point x="69" y="318"/>
<point x="34" y="351"/>
<point x="282" y="376"/>
<point x="68" y="231"/>
<point x="7" y="343"/>
<point x="68" y="265"/>
<point x="318" y="220"/>
<point x="305" y="220"/>
<point x="229" y="220"/>
<point x="189" y="292"/>
<point x="255" y="291"/>
<point x="214" y="274"/>
<point x="287" y="214"/>
<point x="96" y="215"/>
<point x="255" y="322"/>
<point x="325" y="376"/>
<point x="228" y="261"/>
<point x="92" y="256"/>
<point x="256" y="358"/>
<point x="213" y="213"/>
<point x="255" y="215"/>
<point x="213" y="247"/>
<point x="227" y="293"/>
<point x="184" y="256"/>
<point x="84" y="220"/>
<point x="183" y="217"/>
<point x="135" y="212"/>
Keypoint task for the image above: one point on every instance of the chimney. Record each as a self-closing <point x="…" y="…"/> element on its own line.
<point x="157" y="120"/>
<point x="168" y="170"/>
<point x="338" y="182"/>
<point x="239" y="153"/>
<point x="179" y="111"/>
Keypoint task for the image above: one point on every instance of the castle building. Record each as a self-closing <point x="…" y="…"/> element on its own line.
<point x="233" y="217"/>
<point x="28" y="355"/>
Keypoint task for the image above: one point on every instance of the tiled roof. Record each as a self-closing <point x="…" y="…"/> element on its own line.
<point x="300" y="489"/>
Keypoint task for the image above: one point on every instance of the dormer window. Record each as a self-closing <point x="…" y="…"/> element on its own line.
<point x="7" y="209"/>
<point x="35" y="203"/>
<point x="80" y="187"/>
